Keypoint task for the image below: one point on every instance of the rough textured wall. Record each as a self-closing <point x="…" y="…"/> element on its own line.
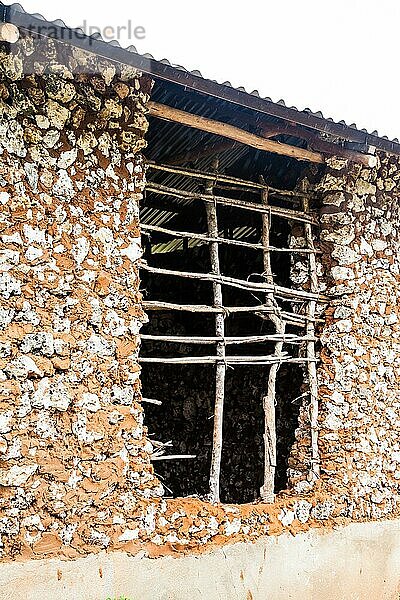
<point x="360" y="343"/>
<point x="75" y="471"/>
<point x="359" y="377"/>
<point x="71" y="176"/>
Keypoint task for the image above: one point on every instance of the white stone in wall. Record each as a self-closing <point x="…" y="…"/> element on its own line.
<point x="16" y="476"/>
<point x="9" y="286"/>
<point x="5" y="421"/>
<point x="15" y="238"/>
<point x="79" y="428"/>
<point x="57" y="115"/>
<point x="8" y="259"/>
<point x="33" y="253"/>
<point x="302" y="510"/>
<point x="87" y="142"/>
<point x="6" y="316"/>
<point x="379" y="245"/>
<point x="32" y="175"/>
<point x="22" y="367"/>
<point x="51" y="138"/>
<point x="80" y="249"/>
<point x="12" y="137"/>
<point x="45" y="426"/>
<point x="67" y="158"/>
<point x="363" y="187"/>
<point x="64" y="188"/>
<point x="322" y="510"/>
<point x="232" y="527"/>
<point x="129" y="535"/>
<point x="133" y="251"/>
<point x="340" y="235"/>
<point x="34" y="235"/>
<point x="41" y="341"/>
<point x="342" y="273"/>
<point x="116" y="325"/>
<point x="345" y="255"/>
<point x="52" y="393"/>
<point x="97" y="344"/>
<point x="90" y="402"/>
<point x="286" y="517"/>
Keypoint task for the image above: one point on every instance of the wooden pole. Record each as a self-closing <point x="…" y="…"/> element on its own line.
<point x="227" y="360"/>
<point x="285" y="213"/>
<point x="260" y="311"/>
<point x="152" y="401"/>
<point x="171" y="456"/>
<point x="199" y="236"/>
<point x="243" y="284"/>
<point x="319" y="145"/>
<point x="310" y="346"/>
<point x="288" y="338"/>
<point x="263" y="142"/>
<point x="220" y="240"/>
<point x="168" y="113"/>
<point x="267" y="490"/>
<point x="212" y="225"/>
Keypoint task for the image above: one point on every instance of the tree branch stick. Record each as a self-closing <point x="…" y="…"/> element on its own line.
<point x="215" y="470"/>
<point x="175" y="115"/>
<point x="311" y="366"/>
<point x="286" y="213"/>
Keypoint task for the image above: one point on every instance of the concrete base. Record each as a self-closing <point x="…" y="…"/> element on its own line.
<point x="352" y="563"/>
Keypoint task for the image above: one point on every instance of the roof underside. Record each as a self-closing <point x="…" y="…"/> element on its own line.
<point x="163" y="71"/>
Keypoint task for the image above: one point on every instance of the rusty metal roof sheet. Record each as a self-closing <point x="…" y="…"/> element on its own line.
<point x="163" y="69"/>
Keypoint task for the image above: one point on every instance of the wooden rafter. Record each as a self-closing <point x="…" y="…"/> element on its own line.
<point x="317" y="144"/>
<point x="175" y="115"/>
<point x="263" y="142"/>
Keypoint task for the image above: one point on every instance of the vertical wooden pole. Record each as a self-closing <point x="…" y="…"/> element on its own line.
<point x="311" y="364"/>
<point x="269" y="400"/>
<point x="212" y="223"/>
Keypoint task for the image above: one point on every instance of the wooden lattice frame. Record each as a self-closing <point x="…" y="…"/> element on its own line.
<point x="270" y="309"/>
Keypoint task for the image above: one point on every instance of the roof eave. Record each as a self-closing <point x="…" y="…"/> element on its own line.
<point x="167" y="72"/>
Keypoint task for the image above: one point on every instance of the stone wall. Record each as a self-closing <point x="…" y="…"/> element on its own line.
<point x="76" y="475"/>
<point x="71" y="175"/>
<point x="360" y="371"/>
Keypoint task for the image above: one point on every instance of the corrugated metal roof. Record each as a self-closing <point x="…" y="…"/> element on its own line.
<point x="164" y="69"/>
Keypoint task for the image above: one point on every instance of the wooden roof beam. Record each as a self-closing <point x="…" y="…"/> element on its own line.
<point x="231" y="132"/>
<point x="263" y="142"/>
<point x="317" y="144"/>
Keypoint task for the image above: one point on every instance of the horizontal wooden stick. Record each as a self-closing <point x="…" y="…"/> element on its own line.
<point x="318" y="144"/>
<point x="171" y="456"/>
<point x="152" y="401"/>
<point x="229" y="360"/>
<point x="279" y="291"/>
<point x="175" y="115"/>
<point x="251" y="339"/>
<point x="207" y="176"/>
<point x="218" y="177"/>
<point x="202" y="236"/>
<point x="199" y="236"/>
<point x="285" y="213"/>
<point x="203" y="308"/>
<point x="161" y="445"/>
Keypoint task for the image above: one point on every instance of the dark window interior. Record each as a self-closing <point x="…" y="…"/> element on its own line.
<point x="185" y="417"/>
